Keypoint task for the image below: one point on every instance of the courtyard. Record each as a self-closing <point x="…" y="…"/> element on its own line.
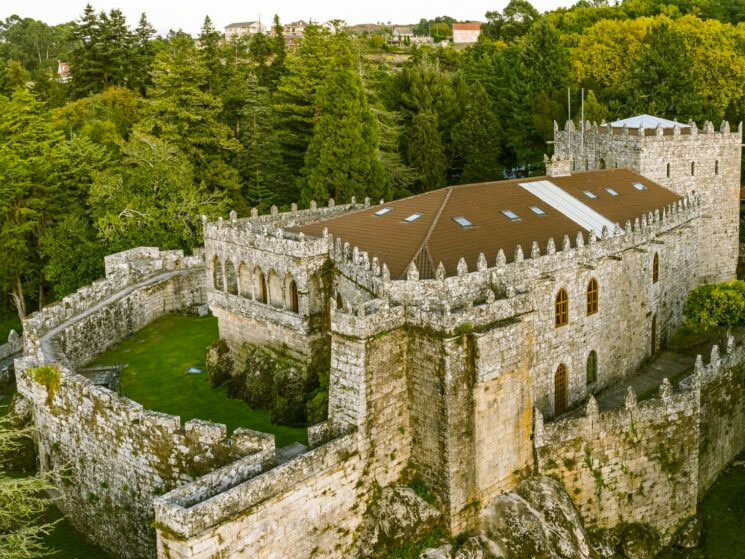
<point x="156" y="360"/>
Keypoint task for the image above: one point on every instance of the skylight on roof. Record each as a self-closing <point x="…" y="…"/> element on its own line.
<point x="639" y="186"/>
<point x="589" y="194"/>
<point x="462" y="221"/>
<point x="382" y="211"/>
<point x="413" y="217"/>
<point x="537" y="211"/>
<point x="509" y="214"/>
<point x="610" y="191"/>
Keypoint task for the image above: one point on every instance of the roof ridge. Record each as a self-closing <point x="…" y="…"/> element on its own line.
<point x="429" y="231"/>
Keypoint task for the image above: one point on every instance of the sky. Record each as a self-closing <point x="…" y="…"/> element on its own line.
<point x="189" y="14"/>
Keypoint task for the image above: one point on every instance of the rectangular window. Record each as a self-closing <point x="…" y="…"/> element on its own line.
<point x="639" y="186"/>
<point x="462" y="221"/>
<point x="611" y="191"/>
<point x="589" y="194"/>
<point x="537" y="211"/>
<point x="382" y="211"/>
<point x="413" y="217"/>
<point x="509" y="214"/>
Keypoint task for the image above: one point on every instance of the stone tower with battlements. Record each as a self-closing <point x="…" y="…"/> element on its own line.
<point x="681" y="157"/>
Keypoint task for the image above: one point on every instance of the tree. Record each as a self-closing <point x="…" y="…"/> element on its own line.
<point x="142" y="55"/>
<point x="184" y="113"/>
<point x="426" y="153"/>
<point x="476" y="138"/>
<point x="260" y="161"/>
<point x="209" y="52"/>
<point x="514" y="21"/>
<point x="152" y="200"/>
<point x="13" y="77"/>
<point x="720" y="306"/>
<point x="22" y="500"/>
<point x="342" y="158"/>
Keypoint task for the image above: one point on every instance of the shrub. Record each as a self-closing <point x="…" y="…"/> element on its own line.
<point x="49" y="376"/>
<point x="219" y="363"/>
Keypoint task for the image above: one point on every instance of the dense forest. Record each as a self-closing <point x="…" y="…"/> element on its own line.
<point x="151" y="132"/>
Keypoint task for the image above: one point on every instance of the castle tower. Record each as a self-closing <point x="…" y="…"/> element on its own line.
<point x="680" y="157"/>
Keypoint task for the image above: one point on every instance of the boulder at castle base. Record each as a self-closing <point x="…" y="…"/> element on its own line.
<point x="444" y="551"/>
<point x="538" y="519"/>
<point x="399" y="515"/>
<point x="471" y="549"/>
<point x="689" y="535"/>
<point x="638" y="541"/>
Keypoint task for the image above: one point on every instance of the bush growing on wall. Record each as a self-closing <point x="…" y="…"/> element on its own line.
<point x="219" y="363"/>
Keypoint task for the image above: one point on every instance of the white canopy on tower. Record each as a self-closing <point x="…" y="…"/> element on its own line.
<point x="648" y="121"/>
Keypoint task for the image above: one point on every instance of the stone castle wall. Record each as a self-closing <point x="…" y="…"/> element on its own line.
<point x="108" y="456"/>
<point x="650" y="461"/>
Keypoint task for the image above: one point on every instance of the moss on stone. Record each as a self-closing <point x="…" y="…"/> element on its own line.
<point x="49" y="376"/>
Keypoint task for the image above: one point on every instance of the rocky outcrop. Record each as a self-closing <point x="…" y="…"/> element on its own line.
<point x="538" y="519"/>
<point x="398" y="515"/>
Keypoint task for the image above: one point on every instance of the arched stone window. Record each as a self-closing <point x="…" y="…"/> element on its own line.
<point x="217" y="282"/>
<point x="592" y="297"/>
<point x="231" y="279"/>
<point x="561" y="308"/>
<point x="260" y="286"/>
<point x="601" y="164"/>
<point x="656" y="268"/>
<point x="292" y="297"/>
<point x="560" y="390"/>
<point x="592" y="367"/>
<point x="668" y="170"/>
<point x="276" y="292"/>
<point x="244" y="280"/>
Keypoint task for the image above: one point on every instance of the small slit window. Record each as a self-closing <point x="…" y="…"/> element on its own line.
<point x="639" y="186"/>
<point x="537" y="211"/>
<point x="611" y="191"/>
<point x="668" y="170"/>
<point x="716" y="167"/>
<point x="463" y="222"/>
<point x="413" y="217"/>
<point x="589" y="194"/>
<point x="382" y="211"/>
<point x="512" y="216"/>
<point x="693" y="168"/>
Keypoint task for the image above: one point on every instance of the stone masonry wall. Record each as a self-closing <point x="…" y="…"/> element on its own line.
<point x="635" y="464"/>
<point x="108" y="456"/>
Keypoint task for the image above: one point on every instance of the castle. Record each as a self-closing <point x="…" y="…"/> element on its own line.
<point x="459" y="326"/>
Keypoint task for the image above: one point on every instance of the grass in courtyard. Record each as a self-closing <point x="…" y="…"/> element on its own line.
<point x="723" y="514"/>
<point x="65" y="542"/>
<point x="157" y="358"/>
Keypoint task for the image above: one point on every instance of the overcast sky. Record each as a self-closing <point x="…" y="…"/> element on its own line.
<point x="189" y="14"/>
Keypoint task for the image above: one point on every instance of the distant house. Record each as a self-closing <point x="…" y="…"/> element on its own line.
<point x="422" y="40"/>
<point x="241" y="28"/>
<point x="466" y="33"/>
<point x="293" y="31"/>
<point x="402" y="34"/>
<point x="63" y="71"/>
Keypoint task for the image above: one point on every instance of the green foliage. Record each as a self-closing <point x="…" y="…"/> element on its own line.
<point x="342" y="158"/>
<point x="720" y="306"/>
<point x="476" y="137"/>
<point x="152" y="198"/>
<point x="219" y="363"/>
<point x="49" y="376"/>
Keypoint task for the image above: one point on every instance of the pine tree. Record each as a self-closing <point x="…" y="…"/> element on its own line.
<point x="426" y="153"/>
<point x="183" y="112"/>
<point x="83" y="72"/>
<point x="279" y="51"/>
<point x="476" y="137"/>
<point x="260" y="162"/>
<point x="342" y="158"/>
<point x="142" y="56"/>
<point x="209" y="52"/>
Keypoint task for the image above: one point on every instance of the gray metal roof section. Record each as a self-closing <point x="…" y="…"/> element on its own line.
<point x="648" y="121"/>
<point x="568" y="205"/>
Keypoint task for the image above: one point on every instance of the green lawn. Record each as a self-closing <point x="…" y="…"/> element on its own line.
<point x="65" y="542"/>
<point x="157" y="358"/>
<point x="8" y="323"/>
<point x="723" y="513"/>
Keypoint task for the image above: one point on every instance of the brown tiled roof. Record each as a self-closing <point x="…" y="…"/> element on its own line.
<point x="436" y="237"/>
<point x="472" y="26"/>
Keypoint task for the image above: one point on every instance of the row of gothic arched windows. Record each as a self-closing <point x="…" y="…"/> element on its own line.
<point x="269" y="291"/>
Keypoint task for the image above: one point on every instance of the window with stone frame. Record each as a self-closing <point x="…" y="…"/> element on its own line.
<point x="561" y="308"/>
<point x="592" y="297"/>
<point x="592" y="367"/>
<point x="656" y="268"/>
<point x="294" y="303"/>
<point x="560" y="390"/>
